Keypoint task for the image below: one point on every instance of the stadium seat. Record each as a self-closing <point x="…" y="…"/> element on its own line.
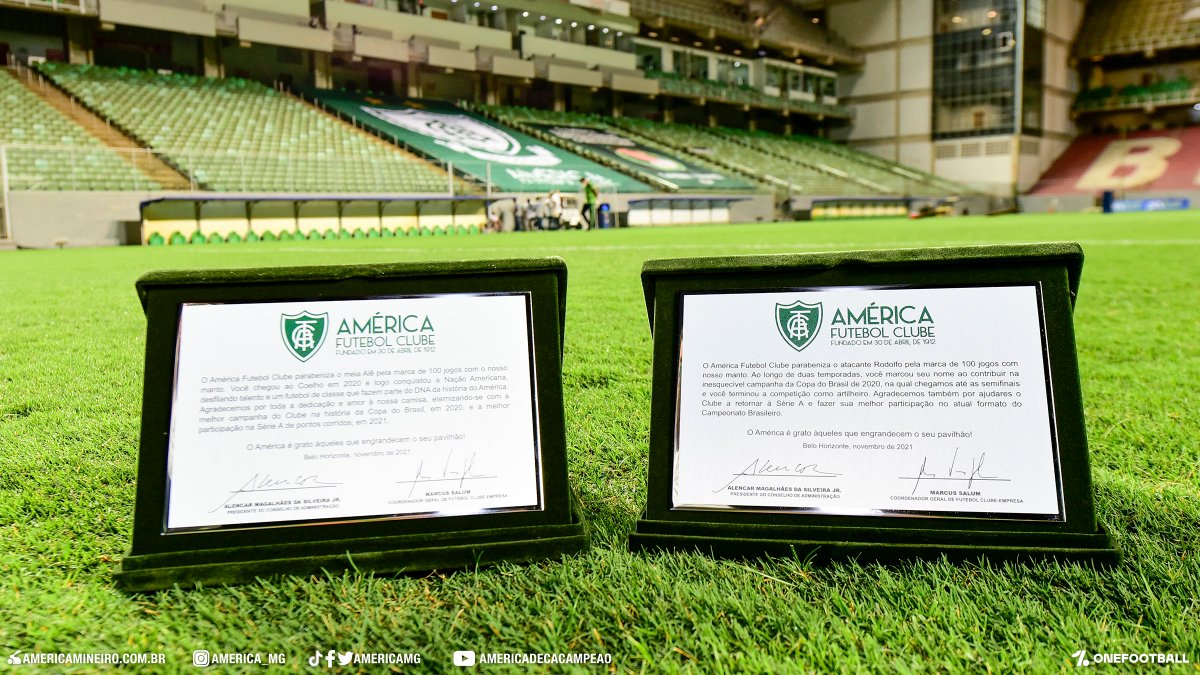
<point x="520" y="116"/>
<point x="236" y="135"/>
<point x="801" y="165"/>
<point x="1133" y="26"/>
<point x="894" y="177"/>
<point x="671" y="83"/>
<point x="47" y="151"/>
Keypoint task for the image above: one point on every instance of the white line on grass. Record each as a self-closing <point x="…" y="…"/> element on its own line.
<point x="1141" y="242"/>
<point x="723" y="246"/>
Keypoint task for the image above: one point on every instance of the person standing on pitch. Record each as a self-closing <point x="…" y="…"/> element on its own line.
<point x="519" y="216"/>
<point x="533" y="214"/>
<point x="590" y="195"/>
<point x="556" y="209"/>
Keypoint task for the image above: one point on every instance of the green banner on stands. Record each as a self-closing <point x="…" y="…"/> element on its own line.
<point x="519" y="163"/>
<point x="685" y="174"/>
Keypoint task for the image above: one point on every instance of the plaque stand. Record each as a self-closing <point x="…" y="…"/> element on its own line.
<point x="746" y="532"/>
<point x="226" y="554"/>
<point x="866" y="544"/>
<point x="464" y="549"/>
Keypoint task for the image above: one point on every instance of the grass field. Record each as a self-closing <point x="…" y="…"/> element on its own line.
<point x="71" y="350"/>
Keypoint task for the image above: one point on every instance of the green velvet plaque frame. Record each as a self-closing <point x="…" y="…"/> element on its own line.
<point x="161" y="557"/>
<point x="1054" y="269"/>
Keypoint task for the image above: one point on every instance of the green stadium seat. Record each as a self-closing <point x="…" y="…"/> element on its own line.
<point x="235" y="135"/>
<point x="47" y="151"/>
<point x="1133" y="26"/>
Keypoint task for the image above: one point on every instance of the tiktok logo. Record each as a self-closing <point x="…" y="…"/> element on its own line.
<point x="315" y="659"/>
<point x="342" y="658"/>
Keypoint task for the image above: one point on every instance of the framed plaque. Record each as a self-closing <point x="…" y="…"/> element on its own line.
<point x="385" y="417"/>
<point x="878" y="404"/>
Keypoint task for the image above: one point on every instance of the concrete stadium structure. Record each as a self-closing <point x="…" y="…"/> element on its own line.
<point x="971" y="103"/>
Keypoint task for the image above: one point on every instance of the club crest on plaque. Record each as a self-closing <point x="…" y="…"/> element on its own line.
<point x="303" y="333"/>
<point x="798" y="323"/>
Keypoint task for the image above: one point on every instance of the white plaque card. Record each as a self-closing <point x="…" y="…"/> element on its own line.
<point x="867" y="401"/>
<point x="352" y="409"/>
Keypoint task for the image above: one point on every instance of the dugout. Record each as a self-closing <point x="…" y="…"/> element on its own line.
<point x="195" y="220"/>
<point x="681" y="210"/>
<point x="860" y="207"/>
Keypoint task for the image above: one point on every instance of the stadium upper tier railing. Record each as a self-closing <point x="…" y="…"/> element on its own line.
<point x="719" y="91"/>
<point x="47" y="167"/>
<point x="234" y="134"/>
<point x="71" y="167"/>
<point x="1180" y="91"/>
<point x="300" y="172"/>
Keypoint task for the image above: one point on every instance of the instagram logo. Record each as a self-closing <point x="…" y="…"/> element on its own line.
<point x="464" y="659"/>
<point x="201" y="658"/>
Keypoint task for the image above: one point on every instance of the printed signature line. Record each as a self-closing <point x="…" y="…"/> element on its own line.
<point x="787" y="475"/>
<point x="976" y="479"/>
<point x="442" y="480"/>
<point x="285" y="489"/>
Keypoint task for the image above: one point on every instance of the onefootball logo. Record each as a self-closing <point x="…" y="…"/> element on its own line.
<point x="1118" y="658"/>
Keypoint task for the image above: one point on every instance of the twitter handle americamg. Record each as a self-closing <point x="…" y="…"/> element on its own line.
<point x="333" y="656"/>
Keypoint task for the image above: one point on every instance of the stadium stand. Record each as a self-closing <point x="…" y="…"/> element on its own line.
<point x="776" y="170"/>
<point x="46" y="151"/>
<point x="785" y="26"/>
<point x="535" y="121"/>
<point x="895" y="177"/>
<point x="347" y="101"/>
<point x="1139" y="62"/>
<point x="778" y="25"/>
<point x="516" y="114"/>
<point x="700" y="15"/>
<point x="1154" y="162"/>
<point x="489" y="152"/>
<point x="1134" y="26"/>
<point x="237" y="135"/>
<point x="1180" y="90"/>
<point x="806" y="165"/>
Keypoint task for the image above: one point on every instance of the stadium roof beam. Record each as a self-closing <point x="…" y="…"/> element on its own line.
<point x="76" y="7"/>
<point x="794" y="33"/>
<point x="570" y="12"/>
<point x="171" y="18"/>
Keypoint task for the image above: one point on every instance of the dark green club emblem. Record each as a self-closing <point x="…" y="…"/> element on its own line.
<point x="303" y="333"/>
<point x="798" y="323"/>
